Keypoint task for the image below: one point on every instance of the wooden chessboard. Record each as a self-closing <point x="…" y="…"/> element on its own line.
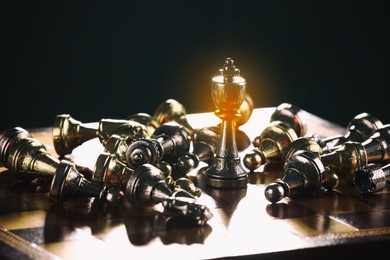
<point x="341" y="222"/>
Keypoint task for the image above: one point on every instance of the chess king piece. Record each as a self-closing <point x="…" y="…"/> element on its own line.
<point x="168" y="143"/>
<point x="273" y="139"/>
<point x="69" y="133"/>
<point x="228" y="91"/>
<point x="147" y="187"/>
<point x="360" y="128"/>
<point x="303" y="173"/>
<point x="21" y="153"/>
<point x="204" y="144"/>
<point x="289" y="114"/>
<point x="372" y="178"/>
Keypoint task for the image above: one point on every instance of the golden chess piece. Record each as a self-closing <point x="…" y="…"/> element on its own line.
<point x="147" y="120"/>
<point x="304" y="143"/>
<point x="147" y="187"/>
<point x="345" y="159"/>
<point x="228" y="91"/>
<point x="69" y="133"/>
<point x="21" y="153"/>
<point x="303" y="173"/>
<point x="110" y="172"/>
<point x="204" y="145"/>
<point x="372" y="178"/>
<point x="289" y="114"/>
<point x="360" y="128"/>
<point x="272" y="140"/>
<point x="9" y="138"/>
<point x="172" y="110"/>
<point x="69" y="184"/>
<point x="168" y="143"/>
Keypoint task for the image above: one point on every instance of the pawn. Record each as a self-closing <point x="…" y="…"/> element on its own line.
<point x="372" y="178"/>
<point x="21" y="153"/>
<point x="360" y="128"/>
<point x="110" y="172"/>
<point x="9" y="139"/>
<point x="205" y="141"/>
<point x="345" y="159"/>
<point x="168" y="143"/>
<point x="172" y="110"/>
<point x="147" y="187"/>
<point x="69" y="133"/>
<point x="70" y="184"/>
<point x="304" y="173"/>
<point x="273" y="139"/>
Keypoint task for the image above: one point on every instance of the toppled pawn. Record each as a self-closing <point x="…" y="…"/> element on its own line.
<point x="172" y="110"/>
<point x="168" y="143"/>
<point x="359" y="129"/>
<point x="372" y="178"/>
<point x="205" y="141"/>
<point x="345" y="159"/>
<point x="70" y="184"/>
<point x="69" y="133"/>
<point x="272" y="140"/>
<point x="21" y="153"/>
<point x="304" y="173"/>
<point x="9" y="139"/>
<point x="147" y="187"/>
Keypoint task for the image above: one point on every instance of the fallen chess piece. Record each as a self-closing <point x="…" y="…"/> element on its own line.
<point x="372" y="178"/>
<point x="147" y="187"/>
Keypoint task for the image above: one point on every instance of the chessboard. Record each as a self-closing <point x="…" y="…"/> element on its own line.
<point x="341" y="222"/>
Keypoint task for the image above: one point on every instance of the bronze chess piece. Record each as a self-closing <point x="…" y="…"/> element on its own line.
<point x="228" y="91"/>
<point x="360" y="128"/>
<point x="169" y="142"/>
<point x="69" y="133"/>
<point x="303" y="173"/>
<point x="147" y="187"/>
<point x="372" y="178"/>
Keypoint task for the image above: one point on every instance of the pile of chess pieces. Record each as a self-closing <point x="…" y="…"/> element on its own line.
<point x="146" y="158"/>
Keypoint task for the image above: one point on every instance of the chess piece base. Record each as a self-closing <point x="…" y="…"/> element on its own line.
<point x="226" y="173"/>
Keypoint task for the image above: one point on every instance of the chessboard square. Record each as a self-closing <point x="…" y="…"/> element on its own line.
<point x="14" y="204"/>
<point x="23" y="219"/>
<point x="364" y="220"/>
<point x="339" y="205"/>
<point x="287" y="210"/>
<point x="315" y="225"/>
<point x="380" y="201"/>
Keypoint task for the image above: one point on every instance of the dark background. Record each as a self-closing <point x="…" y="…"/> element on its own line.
<point x="111" y="59"/>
